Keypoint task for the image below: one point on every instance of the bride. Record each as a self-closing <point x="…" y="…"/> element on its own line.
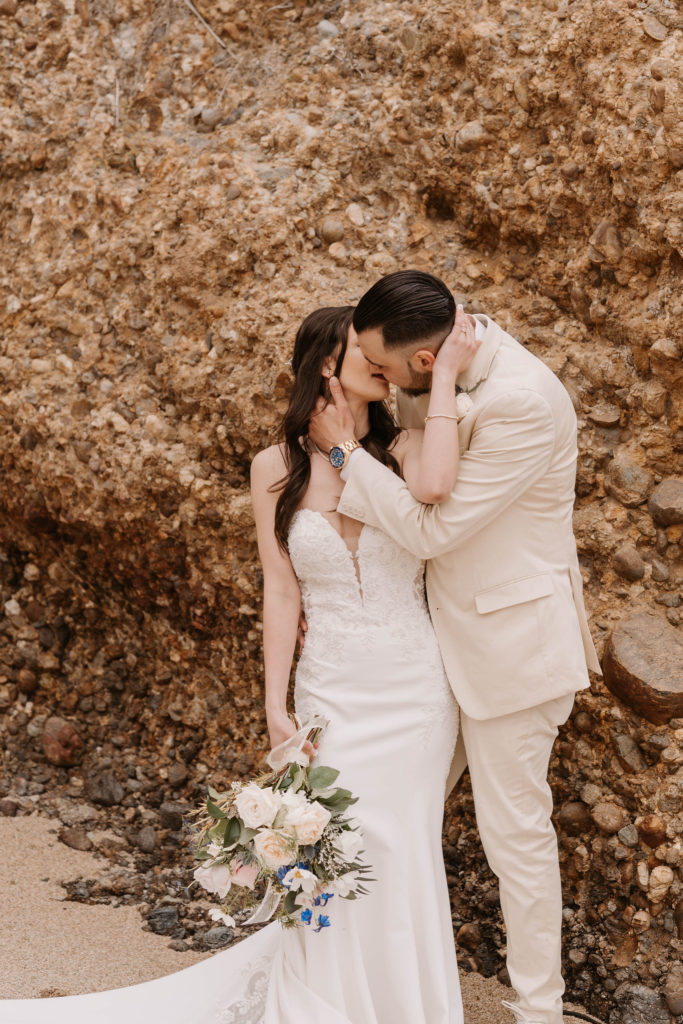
<point x="371" y="666"/>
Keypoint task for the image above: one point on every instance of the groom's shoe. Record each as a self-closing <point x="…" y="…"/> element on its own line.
<point x="569" y="1015"/>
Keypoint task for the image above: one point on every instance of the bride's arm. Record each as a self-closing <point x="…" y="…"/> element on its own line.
<point x="281" y="597"/>
<point x="429" y="458"/>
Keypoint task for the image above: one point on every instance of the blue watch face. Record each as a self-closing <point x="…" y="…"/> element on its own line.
<point x="337" y="457"/>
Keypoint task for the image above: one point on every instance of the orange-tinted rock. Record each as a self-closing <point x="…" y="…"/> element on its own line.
<point x="61" y="742"/>
<point x="643" y="666"/>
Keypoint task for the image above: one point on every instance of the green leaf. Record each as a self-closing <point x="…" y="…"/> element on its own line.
<point x="215" y="795"/>
<point x="246" y="835"/>
<point x="214" y="811"/>
<point x="298" y="780"/>
<point x="233" y="829"/>
<point x="289" y="905"/>
<point x="322" y="777"/>
<point x="218" y="830"/>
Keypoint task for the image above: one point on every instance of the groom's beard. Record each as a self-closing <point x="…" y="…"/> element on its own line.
<point x="420" y="383"/>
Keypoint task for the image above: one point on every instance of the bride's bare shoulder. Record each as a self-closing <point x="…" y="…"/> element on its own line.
<point x="269" y="465"/>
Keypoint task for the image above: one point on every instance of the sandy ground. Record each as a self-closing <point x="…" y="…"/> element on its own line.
<point x="50" y="946"/>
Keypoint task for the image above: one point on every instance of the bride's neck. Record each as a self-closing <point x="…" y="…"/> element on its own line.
<point x="361" y="416"/>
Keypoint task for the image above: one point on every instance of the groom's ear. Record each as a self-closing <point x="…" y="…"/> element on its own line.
<point x="422" y="361"/>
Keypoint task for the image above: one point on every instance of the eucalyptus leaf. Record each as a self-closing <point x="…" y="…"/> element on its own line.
<point x="214" y="811"/>
<point x="289" y="905"/>
<point x="233" y="831"/>
<point x="322" y="777"/>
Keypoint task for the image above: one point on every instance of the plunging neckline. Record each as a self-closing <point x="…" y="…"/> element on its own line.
<point x="354" y="556"/>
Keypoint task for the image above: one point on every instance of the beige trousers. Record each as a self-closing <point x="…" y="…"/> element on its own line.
<point x="508" y="759"/>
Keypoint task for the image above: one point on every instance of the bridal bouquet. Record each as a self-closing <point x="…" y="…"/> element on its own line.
<point x="281" y="845"/>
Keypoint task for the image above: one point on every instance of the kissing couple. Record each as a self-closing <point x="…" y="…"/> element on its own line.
<point x="474" y="480"/>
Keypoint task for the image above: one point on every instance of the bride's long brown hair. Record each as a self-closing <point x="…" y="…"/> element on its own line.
<point x="319" y="336"/>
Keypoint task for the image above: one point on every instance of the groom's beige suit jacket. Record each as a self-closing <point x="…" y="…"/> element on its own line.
<point x="503" y="581"/>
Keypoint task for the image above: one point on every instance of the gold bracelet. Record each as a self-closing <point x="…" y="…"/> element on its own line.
<point x="440" y="416"/>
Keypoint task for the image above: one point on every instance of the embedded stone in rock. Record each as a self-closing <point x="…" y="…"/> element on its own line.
<point x="574" y="817"/>
<point x="327" y="29"/>
<point x="8" y="7"/>
<point x="331" y="230"/>
<point x="628" y="835"/>
<point x="628" y="563"/>
<point x="640" y="1005"/>
<point x="8" y="807"/>
<point x="652" y="830"/>
<point x="666" y="502"/>
<point x="673" y="990"/>
<point x="61" y="742"/>
<point x="628" y="482"/>
<point x="643" y="666"/>
<point x="471" y="136"/>
<point x="604" y="245"/>
<point x="628" y="752"/>
<point x="605" y="415"/>
<point x="654" y="29"/>
<point x="609" y="817"/>
<point x="104" y="788"/>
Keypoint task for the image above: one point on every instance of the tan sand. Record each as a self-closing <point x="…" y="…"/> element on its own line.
<point x="51" y="946"/>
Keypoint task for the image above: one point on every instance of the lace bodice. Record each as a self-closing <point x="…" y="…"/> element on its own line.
<point x="380" y="590"/>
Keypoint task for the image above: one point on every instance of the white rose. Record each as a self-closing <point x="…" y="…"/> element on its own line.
<point x="256" y="806"/>
<point x="307" y="822"/>
<point x="348" y="845"/>
<point x="273" y="849"/>
<point x="214" y="878"/>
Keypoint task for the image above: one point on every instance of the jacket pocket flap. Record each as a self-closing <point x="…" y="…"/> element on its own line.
<point x="514" y="592"/>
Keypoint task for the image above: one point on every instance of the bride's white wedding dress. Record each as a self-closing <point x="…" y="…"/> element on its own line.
<point x="370" y="665"/>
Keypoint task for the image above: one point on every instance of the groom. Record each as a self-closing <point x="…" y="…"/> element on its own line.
<point x="504" y="588"/>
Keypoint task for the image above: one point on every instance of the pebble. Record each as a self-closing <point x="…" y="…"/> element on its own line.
<point x="8" y="807"/>
<point x="338" y="252"/>
<point x="104" y="788"/>
<point x="331" y="230"/>
<point x="628" y="563"/>
<point x="9" y="7"/>
<point x="217" y="937"/>
<point x="471" y="136"/>
<point x="642" y="666"/>
<point x="574" y="817"/>
<point x="608" y="817"/>
<point x="327" y="29"/>
<point x="661" y="880"/>
<point x="628" y="835"/>
<point x="171" y="815"/>
<point x="354" y="212"/>
<point x="76" y="838"/>
<point x="673" y="990"/>
<point x="177" y="774"/>
<point x="605" y="415"/>
<point x="469" y="936"/>
<point x="605" y="244"/>
<point x="628" y="752"/>
<point x="61" y="742"/>
<point x="147" y="839"/>
<point x="652" y="830"/>
<point x="163" y="919"/>
<point x="666" y="502"/>
<point x="627" y="481"/>
<point x="654" y="28"/>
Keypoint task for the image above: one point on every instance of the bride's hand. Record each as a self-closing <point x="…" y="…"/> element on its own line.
<point x="332" y="422"/>
<point x="281" y="728"/>
<point x="459" y="348"/>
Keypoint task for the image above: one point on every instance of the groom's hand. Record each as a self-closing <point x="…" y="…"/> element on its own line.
<point x="332" y="422"/>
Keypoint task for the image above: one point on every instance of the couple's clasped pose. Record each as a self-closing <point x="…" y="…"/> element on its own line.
<point x="476" y="479"/>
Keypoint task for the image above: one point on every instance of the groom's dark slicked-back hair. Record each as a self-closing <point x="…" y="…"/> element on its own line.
<point x="408" y="306"/>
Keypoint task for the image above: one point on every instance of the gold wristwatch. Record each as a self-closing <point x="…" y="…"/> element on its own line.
<point x="339" y="453"/>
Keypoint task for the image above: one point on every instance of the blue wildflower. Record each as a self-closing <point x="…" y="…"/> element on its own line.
<point x="281" y="872"/>
<point x="323" y="922"/>
<point x="306" y="916"/>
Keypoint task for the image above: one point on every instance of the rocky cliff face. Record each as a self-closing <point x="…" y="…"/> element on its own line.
<point x="176" y="192"/>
